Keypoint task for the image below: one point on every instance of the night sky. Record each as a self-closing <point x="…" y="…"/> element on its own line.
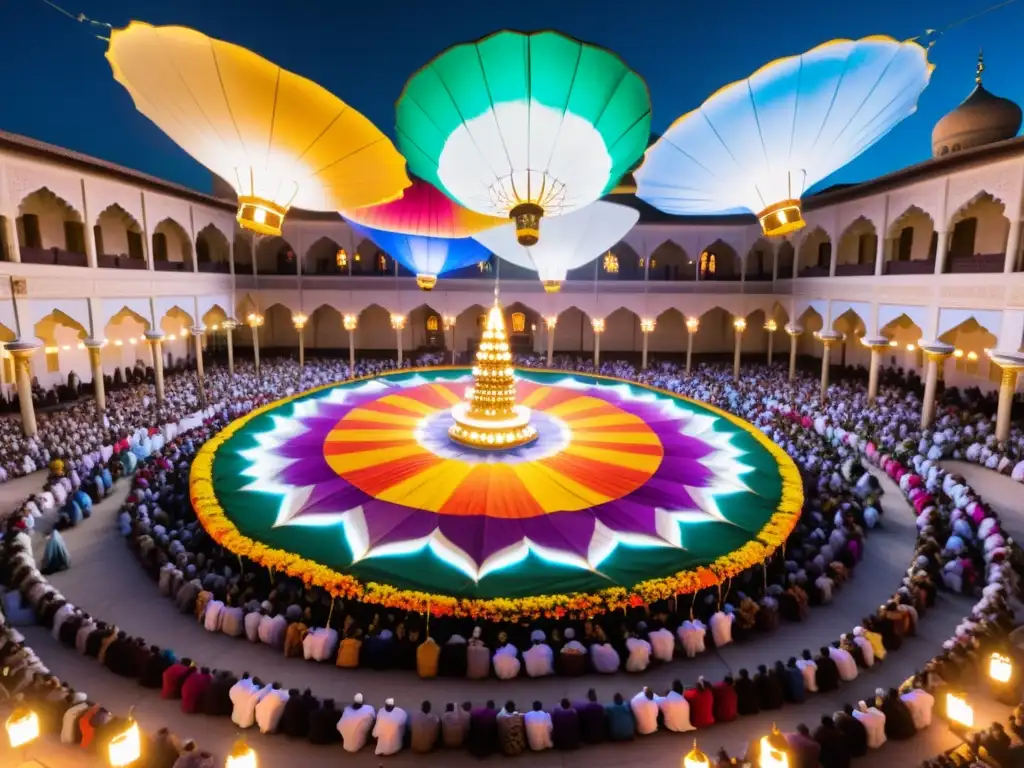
<point x="58" y="87"/>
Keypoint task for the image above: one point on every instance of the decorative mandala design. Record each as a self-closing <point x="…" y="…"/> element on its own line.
<point x="625" y="484"/>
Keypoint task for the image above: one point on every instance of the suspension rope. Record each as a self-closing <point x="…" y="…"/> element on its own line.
<point x="931" y="36"/>
<point x="81" y="18"/>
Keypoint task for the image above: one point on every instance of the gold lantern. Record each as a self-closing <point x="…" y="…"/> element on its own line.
<point x="126" y="747"/>
<point x="1000" y="668"/>
<point x="774" y="750"/>
<point x="692" y="324"/>
<point x="341" y="259"/>
<point x="958" y="711"/>
<point x="242" y="756"/>
<point x="739" y="324"/>
<point x="22" y="727"/>
<point x="647" y="325"/>
<point x="695" y="758"/>
<point x="350" y="322"/>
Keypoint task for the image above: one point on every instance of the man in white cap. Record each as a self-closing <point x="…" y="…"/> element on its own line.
<point x="355" y="724"/>
<point x="540" y="659"/>
<point x="390" y="728"/>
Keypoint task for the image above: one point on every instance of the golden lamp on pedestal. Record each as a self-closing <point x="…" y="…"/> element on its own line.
<point x="489" y="419"/>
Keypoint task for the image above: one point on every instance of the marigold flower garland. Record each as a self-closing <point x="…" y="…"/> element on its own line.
<point x="755" y="552"/>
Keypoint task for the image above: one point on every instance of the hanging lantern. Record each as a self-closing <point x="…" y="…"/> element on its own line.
<point x="242" y="756"/>
<point x="126" y="747"/>
<point x="611" y="263"/>
<point x="695" y="758"/>
<point x="22" y="727"/>
<point x="341" y="259"/>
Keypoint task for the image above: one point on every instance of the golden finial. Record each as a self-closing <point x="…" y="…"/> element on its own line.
<point x="981" y="66"/>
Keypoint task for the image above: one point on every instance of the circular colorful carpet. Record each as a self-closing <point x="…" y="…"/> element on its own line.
<point x="630" y="494"/>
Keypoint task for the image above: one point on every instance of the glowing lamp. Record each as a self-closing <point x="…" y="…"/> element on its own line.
<point x="550" y="322"/>
<point x="646" y="325"/>
<point x="692" y="324"/>
<point x="398" y="322"/>
<point x="22" y="727"/>
<point x="277" y="138"/>
<point x="958" y="353"/>
<point x="241" y="756"/>
<point x="350" y="322"/>
<point x="126" y="747"/>
<point x="611" y="263"/>
<point x="254" y="319"/>
<point x="959" y="711"/>
<point x="570" y="241"/>
<point x="474" y="121"/>
<point x="448" y="321"/>
<point x="739" y="324"/>
<point x="893" y="344"/>
<point x="299" y="321"/>
<point x="117" y="343"/>
<point x="774" y="750"/>
<point x="758" y="144"/>
<point x="911" y="347"/>
<point x="771" y="326"/>
<point x="1000" y="668"/>
<point x="695" y="758"/>
<point x="597" y="324"/>
<point x="972" y="357"/>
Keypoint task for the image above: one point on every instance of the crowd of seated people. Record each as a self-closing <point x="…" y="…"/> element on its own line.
<point x="813" y="444"/>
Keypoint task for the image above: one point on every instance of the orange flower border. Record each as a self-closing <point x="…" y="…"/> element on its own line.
<point x="755" y="552"/>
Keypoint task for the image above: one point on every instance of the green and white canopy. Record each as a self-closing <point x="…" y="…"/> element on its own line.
<point x="520" y="118"/>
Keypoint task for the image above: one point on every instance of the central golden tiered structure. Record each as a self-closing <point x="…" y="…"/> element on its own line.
<point x="490" y="418"/>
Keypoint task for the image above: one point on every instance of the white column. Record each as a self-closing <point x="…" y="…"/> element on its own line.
<point x="793" y="331"/>
<point x="155" y="339"/>
<point x="11" y="236"/>
<point x="95" y="348"/>
<point x="941" y="248"/>
<point x="197" y="336"/>
<point x="147" y="243"/>
<point x="22" y="352"/>
<point x="550" y="323"/>
<point x="880" y="256"/>
<point x="1007" y="387"/>
<point x="935" y="354"/>
<point x="229" y="326"/>
<point x="1012" y="246"/>
<point x="643" y="353"/>
<point x="398" y="323"/>
<point x="877" y="345"/>
<point x="771" y="344"/>
<point x="739" y="325"/>
<point x="598" y="326"/>
<point x="692" y="326"/>
<point x="88" y="233"/>
<point x="828" y="339"/>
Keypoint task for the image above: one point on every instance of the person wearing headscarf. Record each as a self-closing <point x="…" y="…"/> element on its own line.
<point x="355" y="724"/>
<point x="389" y="729"/>
<point x="874" y="723"/>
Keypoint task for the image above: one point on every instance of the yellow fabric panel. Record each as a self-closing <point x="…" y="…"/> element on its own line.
<point x="555" y="491"/>
<point x="431" y="488"/>
<point x="607" y="420"/>
<point x="637" y="461"/>
<point x="368" y="435"/>
<point x="349" y="462"/>
<point x="535" y="397"/>
<point x="409" y="404"/>
<point x="640" y="437"/>
<point x="370" y="415"/>
<point x="446" y="393"/>
<point x="576" y="405"/>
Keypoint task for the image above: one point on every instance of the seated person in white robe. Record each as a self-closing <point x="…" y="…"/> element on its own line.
<point x="639" y="654"/>
<point x="355" y="724"/>
<point x="866" y="649"/>
<point x="604" y="658"/>
<point x="691" y="635"/>
<point x="321" y="644"/>
<point x="389" y="729"/>
<point x="506" y="659"/>
<point x="874" y="724"/>
<point x="920" y="703"/>
<point x="844" y="663"/>
<point x="809" y="670"/>
<point x="663" y="644"/>
<point x="721" y="628"/>
<point x="539" y="658"/>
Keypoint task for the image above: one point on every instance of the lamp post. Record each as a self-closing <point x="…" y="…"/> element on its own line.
<point x="692" y="326"/>
<point x="398" y="323"/>
<point x="739" y="325"/>
<point x="255" y="320"/>
<point x="197" y="332"/>
<point x="350" y="323"/>
<point x="95" y="348"/>
<point x="597" y="324"/>
<point x="551" y="322"/>
<point x="229" y="326"/>
<point x="646" y="328"/>
<point x="828" y="340"/>
<point x="936" y="354"/>
<point x="771" y="326"/>
<point x="448" y="323"/>
<point x="793" y="331"/>
<point x="299" y="321"/>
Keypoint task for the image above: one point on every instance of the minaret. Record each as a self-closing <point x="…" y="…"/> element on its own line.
<point x="489" y="419"/>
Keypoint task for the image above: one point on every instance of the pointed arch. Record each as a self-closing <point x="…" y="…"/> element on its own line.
<point x="574" y="333"/>
<point x="326" y="257"/>
<point x="719" y="261"/>
<point x="171" y="247"/>
<point x="912" y="241"/>
<point x="978" y="234"/>
<point x="213" y="252"/>
<point x="759" y="260"/>
<point x="621" y="262"/>
<point x="858" y="245"/>
<point x="326" y="329"/>
<point x="669" y="335"/>
<point x="50" y="230"/>
<point x="214" y="317"/>
<point x="119" y="240"/>
<point x="375" y="331"/>
<point x="670" y="263"/>
<point x="621" y="331"/>
<point x="175" y="320"/>
<point x="815" y="254"/>
<point x="275" y="256"/>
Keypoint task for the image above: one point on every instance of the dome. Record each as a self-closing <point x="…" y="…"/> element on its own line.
<point x="982" y="118"/>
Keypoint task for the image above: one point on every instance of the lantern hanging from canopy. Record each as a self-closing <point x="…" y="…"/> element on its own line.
<point x="759" y="144"/>
<point x="278" y="139"/>
<point x="569" y="241"/>
<point x="525" y="126"/>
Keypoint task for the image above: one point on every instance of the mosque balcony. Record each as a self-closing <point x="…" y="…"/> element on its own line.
<point x="53" y="256"/>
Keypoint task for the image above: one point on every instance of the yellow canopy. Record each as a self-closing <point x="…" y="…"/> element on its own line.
<point x="278" y="138"/>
